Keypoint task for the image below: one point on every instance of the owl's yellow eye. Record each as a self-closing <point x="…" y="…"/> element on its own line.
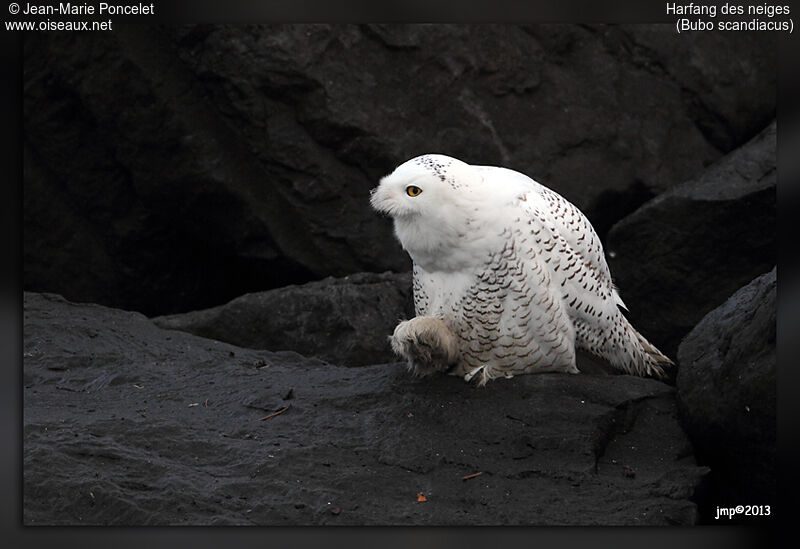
<point x="411" y="190"/>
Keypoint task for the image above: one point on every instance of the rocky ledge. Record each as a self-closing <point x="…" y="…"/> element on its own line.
<point x="128" y="423"/>
<point x="345" y="320"/>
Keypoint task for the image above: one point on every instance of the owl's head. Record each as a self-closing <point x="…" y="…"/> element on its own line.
<point x="429" y="185"/>
<point x="436" y="204"/>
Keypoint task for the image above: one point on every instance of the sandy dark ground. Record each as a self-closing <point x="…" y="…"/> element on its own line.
<point x="127" y="423"/>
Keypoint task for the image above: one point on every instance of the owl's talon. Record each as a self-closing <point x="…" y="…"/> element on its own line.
<point x="484" y="374"/>
<point x="471" y="374"/>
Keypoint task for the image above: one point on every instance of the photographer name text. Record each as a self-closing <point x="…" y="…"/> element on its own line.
<point x="103" y="8"/>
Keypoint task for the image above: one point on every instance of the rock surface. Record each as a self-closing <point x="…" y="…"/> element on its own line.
<point x="686" y="251"/>
<point x="727" y="394"/>
<point x="174" y="168"/>
<point x="127" y="423"/>
<point x="346" y="321"/>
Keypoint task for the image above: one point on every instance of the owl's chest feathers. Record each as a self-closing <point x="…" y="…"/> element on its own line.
<point x="448" y="246"/>
<point x="448" y="275"/>
<point x="444" y="292"/>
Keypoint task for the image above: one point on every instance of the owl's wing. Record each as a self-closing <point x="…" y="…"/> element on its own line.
<point x="548" y="226"/>
<point x="571" y="230"/>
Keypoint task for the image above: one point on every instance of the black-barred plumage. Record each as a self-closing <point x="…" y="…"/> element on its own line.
<point x="509" y="277"/>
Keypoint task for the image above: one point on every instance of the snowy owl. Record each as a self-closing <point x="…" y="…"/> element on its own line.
<point x="509" y="277"/>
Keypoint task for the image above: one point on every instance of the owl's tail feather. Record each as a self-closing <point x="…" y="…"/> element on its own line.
<point x="652" y="361"/>
<point x="630" y="353"/>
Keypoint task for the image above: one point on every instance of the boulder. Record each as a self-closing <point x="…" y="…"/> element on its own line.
<point x="126" y="423"/>
<point x="346" y="321"/>
<point x="173" y="168"/>
<point x="686" y="251"/>
<point x="710" y="66"/>
<point x="727" y="396"/>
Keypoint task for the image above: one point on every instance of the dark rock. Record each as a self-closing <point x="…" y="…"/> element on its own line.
<point x="685" y="252"/>
<point x="346" y="321"/>
<point x="726" y="119"/>
<point x="127" y="423"/>
<point x="174" y="168"/>
<point x="727" y="395"/>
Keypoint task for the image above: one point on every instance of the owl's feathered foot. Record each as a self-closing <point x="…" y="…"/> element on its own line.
<point x="485" y="373"/>
<point x="426" y="343"/>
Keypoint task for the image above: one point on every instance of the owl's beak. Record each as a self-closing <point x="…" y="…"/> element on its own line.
<point x="379" y="201"/>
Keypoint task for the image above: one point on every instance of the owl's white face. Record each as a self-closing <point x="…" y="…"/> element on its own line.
<point x="407" y="197"/>
<point x="434" y="201"/>
<point x="429" y="186"/>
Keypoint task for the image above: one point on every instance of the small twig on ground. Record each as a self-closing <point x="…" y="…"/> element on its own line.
<point x="473" y="475"/>
<point x="272" y="415"/>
